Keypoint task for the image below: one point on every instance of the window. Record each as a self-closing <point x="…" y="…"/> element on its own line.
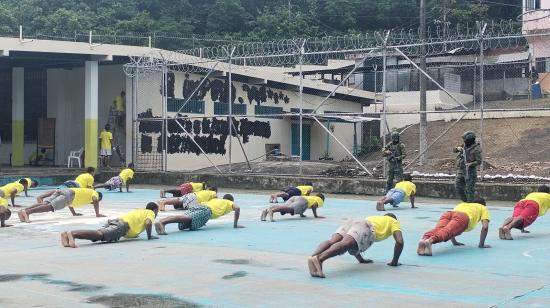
<point x="267" y="110"/>
<point x="223" y="108"/>
<point x="532" y="5"/>
<point x="193" y="106"/>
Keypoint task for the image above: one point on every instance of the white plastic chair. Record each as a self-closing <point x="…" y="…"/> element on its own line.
<point x="74" y="155"/>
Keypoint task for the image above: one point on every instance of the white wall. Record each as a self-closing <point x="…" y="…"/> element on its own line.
<point x="149" y="97"/>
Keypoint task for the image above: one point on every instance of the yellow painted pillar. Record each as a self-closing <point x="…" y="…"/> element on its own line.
<point x="90" y="113"/>
<point x="18" y="117"/>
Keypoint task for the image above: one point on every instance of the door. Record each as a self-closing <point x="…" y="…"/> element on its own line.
<point x="306" y="140"/>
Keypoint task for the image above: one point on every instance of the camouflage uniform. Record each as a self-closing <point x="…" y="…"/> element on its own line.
<point x="466" y="179"/>
<point x="394" y="161"/>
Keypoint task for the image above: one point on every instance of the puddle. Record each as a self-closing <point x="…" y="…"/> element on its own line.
<point x="4" y="278"/>
<point x="238" y="274"/>
<point x="250" y="262"/>
<point x="71" y="286"/>
<point x="121" y="300"/>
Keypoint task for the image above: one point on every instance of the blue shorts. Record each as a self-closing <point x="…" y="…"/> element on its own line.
<point x="69" y="184"/>
<point x="397" y="195"/>
<point x="291" y="191"/>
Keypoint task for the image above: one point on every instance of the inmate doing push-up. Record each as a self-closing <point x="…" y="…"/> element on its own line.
<point x="526" y="211"/>
<point x="130" y="225"/>
<point x="198" y="215"/>
<point x="296" y="205"/>
<point x="184" y="189"/>
<point x="291" y="191"/>
<point x="188" y="200"/>
<point x="355" y="237"/>
<point x="57" y="199"/>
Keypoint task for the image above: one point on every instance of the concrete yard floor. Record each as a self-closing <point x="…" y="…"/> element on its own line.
<point x="265" y="264"/>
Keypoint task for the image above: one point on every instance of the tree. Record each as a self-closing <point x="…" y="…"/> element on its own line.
<point x="227" y="16"/>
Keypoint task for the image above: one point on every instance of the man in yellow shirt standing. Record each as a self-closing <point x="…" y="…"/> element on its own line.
<point x="188" y="200"/>
<point x="405" y="189"/>
<point x="526" y="211"/>
<point x="296" y="205"/>
<point x="105" y="153"/>
<point x="130" y="225"/>
<point x="57" y="199"/>
<point x="355" y="237"/>
<point x="197" y="216"/>
<point x="120" y="107"/>
<point x="463" y="218"/>
<point x="123" y="178"/>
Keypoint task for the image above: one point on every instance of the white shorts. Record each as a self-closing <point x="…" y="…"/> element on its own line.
<point x="105" y="152"/>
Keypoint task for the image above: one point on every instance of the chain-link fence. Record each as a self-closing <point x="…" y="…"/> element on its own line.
<point x="328" y="106"/>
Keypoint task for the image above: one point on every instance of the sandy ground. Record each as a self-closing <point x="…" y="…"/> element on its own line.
<point x="264" y="264"/>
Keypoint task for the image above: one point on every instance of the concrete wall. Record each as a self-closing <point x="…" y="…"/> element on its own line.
<point x="149" y="97"/>
<point x="66" y="104"/>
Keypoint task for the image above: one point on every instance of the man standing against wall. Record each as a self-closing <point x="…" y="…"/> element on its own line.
<point x="105" y="152"/>
<point x="120" y="107"/>
<point x="394" y="154"/>
<point x="467" y="161"/>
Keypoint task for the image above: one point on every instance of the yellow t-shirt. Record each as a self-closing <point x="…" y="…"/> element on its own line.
<point x="407" y="186"/>
<point x="3" y="202"/>
<point x="8" y="188"/>
<point x="119" y="103"/>
<point x="383" y="226"/>
<point x="83" y="196"/>
<point x="85" y="180"/>
<point x="542" y="198"/>
<point x="205" y="195"/>
<point x="106" y="138"/>
<point x="475" y="211"/>
<point x="197" y="186"/>
<point x="305" y="189"/>
<point x="136" y="221"/>
<point x="312" y="200"/>
<point x="219" y="207"/>
<point x="126" y="175"/>
<point x="29" y="181"/>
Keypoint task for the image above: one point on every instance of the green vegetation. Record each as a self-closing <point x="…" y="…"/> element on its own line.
<point x="253" y="19"/>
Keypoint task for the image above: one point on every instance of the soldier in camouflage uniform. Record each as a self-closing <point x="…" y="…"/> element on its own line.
<point x="467" y="161"/>
<point x="394" y="154"/>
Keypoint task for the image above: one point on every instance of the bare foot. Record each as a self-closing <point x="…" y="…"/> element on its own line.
<point x="501" y="233"/>
<point x="427" y="248"/>
<point x="159" y="227"/>
<point x="271" y="215"/>
<point x="70" y="239"/>
<point x="263" y="216"/>
<point x="64" y="239"/>
<point x="508" y="234"/>
<point x="421" y="247"/>
<point x="162" y="206"/>
<point x="311" y="266"/>
<point x="318" y="268"/>
<point x="23" y="216"/>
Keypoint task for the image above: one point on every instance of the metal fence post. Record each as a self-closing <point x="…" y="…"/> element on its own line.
<point x="301" y="60"/>
<point x="384" y="116"/>
<point x="164" y="135"/>
<point x="482" y="89"/>
<point x="230" y="117"/>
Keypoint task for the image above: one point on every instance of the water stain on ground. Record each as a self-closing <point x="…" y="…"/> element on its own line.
<point x="238" y="274"/>
<point x="250" y="262"/>
<point x="44" y="278"/>
<point x="121" y="300"/>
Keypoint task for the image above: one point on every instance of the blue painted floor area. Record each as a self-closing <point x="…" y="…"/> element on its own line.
<point x="264" y="264"/>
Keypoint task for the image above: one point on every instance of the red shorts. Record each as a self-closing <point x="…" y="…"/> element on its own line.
<point x="528" y="210"/>
<point x="186" y="188"/>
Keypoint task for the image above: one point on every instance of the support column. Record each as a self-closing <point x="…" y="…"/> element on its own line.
<point x="17" y="117"/>
<point x="90" y="113"/>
